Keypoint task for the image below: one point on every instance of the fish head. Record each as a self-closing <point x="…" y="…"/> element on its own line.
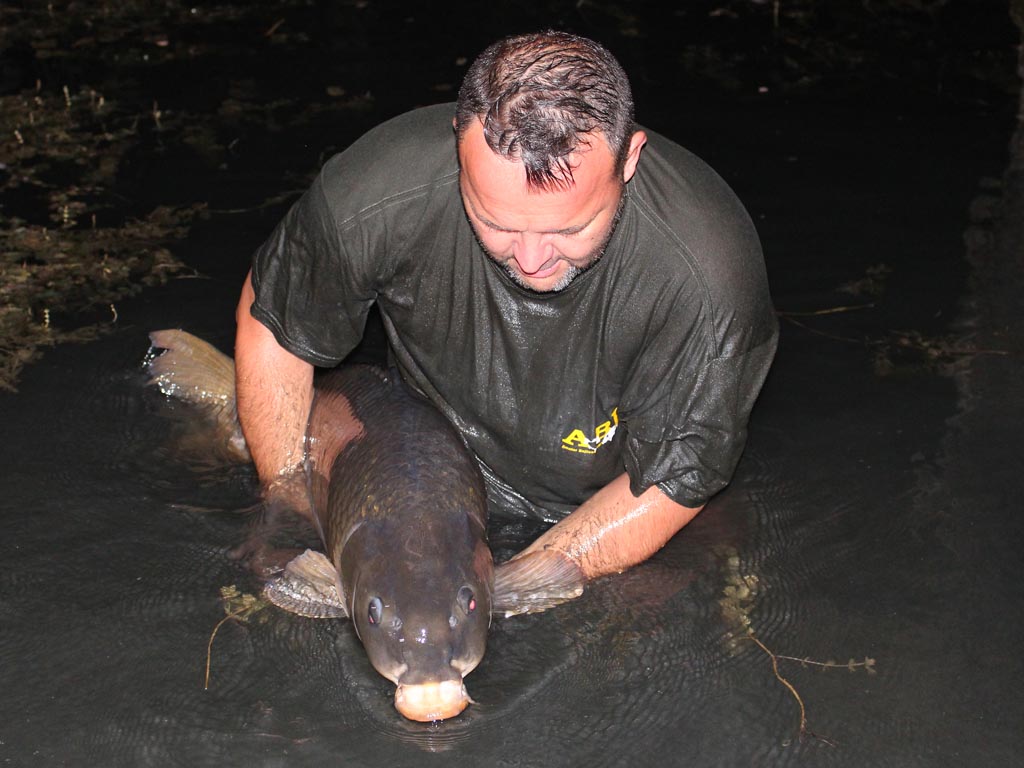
<point x="422" y="611"/>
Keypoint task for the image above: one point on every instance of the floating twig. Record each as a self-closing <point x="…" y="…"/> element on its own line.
<point x="238" y="605"/>
<point x="209" y="647"/>
<point x="804" y="730"/>
<point x="834" y="337"/>
<point x="826" y="311"/>
<point x="868" y="663"/>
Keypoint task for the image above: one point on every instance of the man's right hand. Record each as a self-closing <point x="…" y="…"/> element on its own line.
<point x="274" y="389"/>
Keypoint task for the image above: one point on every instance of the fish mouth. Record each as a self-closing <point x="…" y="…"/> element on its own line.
<point x="429" y="702"/>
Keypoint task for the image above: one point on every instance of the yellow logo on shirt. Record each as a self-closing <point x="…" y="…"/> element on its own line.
<point x="577" y="441"/>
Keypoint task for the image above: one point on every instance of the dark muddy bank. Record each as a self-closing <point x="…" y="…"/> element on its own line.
<point x="122" y="124"/>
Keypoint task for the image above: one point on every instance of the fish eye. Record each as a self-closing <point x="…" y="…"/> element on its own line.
<point x="374" y="611"/>
<point x="467" y="600"/>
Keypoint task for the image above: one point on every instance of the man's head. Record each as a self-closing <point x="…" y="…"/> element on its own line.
<point x="546" y="144"/>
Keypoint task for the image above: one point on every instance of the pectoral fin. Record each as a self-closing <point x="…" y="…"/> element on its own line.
<point x="308" y="587"/>
<point x="535" y="582"/>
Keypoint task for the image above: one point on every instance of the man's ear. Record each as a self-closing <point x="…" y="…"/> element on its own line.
<point x="636" y="143"/>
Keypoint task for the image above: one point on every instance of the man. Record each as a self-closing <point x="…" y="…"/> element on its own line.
<point x="585" y="301"/>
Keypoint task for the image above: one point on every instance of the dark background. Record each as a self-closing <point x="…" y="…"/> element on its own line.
<point x="875" y="515"/>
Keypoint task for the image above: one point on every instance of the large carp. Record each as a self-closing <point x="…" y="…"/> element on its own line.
<point x="400" y="507"/>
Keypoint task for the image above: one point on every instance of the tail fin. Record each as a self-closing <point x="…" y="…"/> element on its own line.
<point x="195" y="371"/>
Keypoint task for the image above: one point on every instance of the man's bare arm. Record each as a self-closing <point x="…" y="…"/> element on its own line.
<point x="274" y="390"/>
<point x="614" y="530"/>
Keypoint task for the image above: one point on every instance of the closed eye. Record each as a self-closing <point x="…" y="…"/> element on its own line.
<point x="568" y="232"/>
<point x="564" y="232"/>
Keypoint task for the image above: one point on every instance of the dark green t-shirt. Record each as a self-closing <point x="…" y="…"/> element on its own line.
<point x="649" y="362"/>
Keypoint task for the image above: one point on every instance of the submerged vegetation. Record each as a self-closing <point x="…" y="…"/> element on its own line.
<point x="238" y="606"/>
<point x="68" y="251"/>
<point x="737" y="602"/>
<point x="71" y="244"/>
<point x="94" y="119"/>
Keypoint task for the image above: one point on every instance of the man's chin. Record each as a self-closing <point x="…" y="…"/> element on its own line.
<point x="558" y="280"/>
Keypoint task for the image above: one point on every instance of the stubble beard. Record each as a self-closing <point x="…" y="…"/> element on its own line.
<point x="574" y="270"/>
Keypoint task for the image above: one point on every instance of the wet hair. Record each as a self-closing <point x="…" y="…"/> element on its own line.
<point x="541" y="97"/>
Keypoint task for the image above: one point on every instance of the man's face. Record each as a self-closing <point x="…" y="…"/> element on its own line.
<point x="542" y="238"/>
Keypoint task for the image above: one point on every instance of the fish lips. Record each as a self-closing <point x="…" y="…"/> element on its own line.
<point x="432" y="701"/>
<point x="429" y="691"/>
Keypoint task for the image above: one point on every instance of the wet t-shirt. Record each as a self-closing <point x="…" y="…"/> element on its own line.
<point x="649" y="362"/>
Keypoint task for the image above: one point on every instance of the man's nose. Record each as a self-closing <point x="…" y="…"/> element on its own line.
<point x="532" y="252"/>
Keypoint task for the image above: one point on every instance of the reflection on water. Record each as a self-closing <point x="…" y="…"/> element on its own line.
<point x="144" y="534"/>
<point x="127" y="547"/>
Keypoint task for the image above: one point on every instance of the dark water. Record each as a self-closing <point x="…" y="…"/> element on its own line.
<point x="875" y="514"/>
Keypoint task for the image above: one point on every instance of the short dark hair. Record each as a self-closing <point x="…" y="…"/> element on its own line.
<point x="540" y="96"/>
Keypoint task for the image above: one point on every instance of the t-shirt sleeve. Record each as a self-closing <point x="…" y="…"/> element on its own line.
<point x="688" y="435"/>
<point x="314" y="286"/>
<point x="711" y="338"/>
